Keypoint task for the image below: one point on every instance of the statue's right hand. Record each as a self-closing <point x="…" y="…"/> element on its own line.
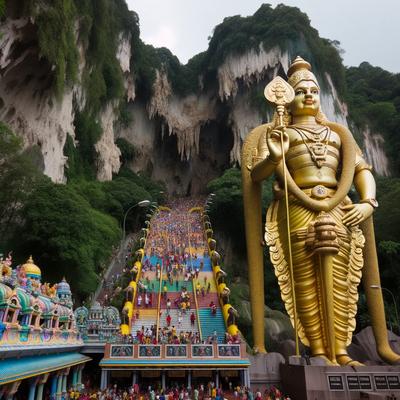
<point x="274" y="143"/>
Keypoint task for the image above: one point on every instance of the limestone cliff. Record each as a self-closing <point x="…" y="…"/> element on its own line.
<point x="183" y="137"/>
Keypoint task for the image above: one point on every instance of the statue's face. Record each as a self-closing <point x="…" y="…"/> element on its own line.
<point x="306" y="100"/>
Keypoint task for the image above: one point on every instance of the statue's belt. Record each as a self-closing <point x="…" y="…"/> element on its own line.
<point x="318" y="192"/>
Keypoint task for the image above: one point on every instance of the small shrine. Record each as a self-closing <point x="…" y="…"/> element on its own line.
<point x="98" y="323"/>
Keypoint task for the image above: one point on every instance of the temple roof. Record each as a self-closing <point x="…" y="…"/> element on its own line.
<point x="5" y="293"/>
<point x="19" y="368"/>
<point x="31" y="270"/>
<point x="63" y="287"/>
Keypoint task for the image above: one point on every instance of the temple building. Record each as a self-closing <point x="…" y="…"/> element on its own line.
<point x="99" y="323"/>
<point x="39" y="340"/>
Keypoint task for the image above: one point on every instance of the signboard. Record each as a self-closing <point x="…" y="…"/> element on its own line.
<point x="393" y="382"/>
<point x="362" y="382"/>
<point x="121" y="350"/>
<point x="335" y="382"/>
<point x="365" y="382"/>
<point x="352" y="382"/>
<point x="381" y="382"/>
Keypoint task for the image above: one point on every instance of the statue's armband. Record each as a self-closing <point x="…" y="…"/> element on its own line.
<point x="361" y="164"/>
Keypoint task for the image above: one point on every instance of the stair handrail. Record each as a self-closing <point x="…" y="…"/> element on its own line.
<point x="193" y="287"/>
<point x="214" y="268"/>
<point x="159" y="294"/>
<point x="139" y="274"/>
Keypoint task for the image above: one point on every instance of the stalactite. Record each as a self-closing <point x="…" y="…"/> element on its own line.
<point x="250" y="68"/>
<point x="184" y="117"/>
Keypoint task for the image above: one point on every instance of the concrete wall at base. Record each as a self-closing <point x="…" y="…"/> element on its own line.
<point x="264" y="370"/>
<point x="309" y="382"/>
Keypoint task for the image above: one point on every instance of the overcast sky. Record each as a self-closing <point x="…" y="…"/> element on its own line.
<point x="368" y="30"/>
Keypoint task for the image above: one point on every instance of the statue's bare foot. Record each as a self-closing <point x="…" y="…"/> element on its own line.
<point x="388" y="355"/>
<point x="345" y="359"/>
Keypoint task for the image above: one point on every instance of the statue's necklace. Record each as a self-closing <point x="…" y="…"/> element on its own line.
<point x="319" y="139"/>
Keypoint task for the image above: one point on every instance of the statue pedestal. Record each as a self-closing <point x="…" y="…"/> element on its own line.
<point x="265" y="370"/>
<point x="310" y="382"/>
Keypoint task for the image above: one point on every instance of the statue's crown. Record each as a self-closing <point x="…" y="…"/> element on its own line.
<point x="300" y="70"/>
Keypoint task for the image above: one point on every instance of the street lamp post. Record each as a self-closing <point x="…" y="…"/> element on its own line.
<point x="143" y="203"/>
<point x="394" y="302"/>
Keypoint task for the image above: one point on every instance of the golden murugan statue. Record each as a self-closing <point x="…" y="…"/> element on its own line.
<point x="319" y="265"/>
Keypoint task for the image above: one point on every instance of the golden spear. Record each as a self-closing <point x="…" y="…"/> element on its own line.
<point x="280" y="93"/>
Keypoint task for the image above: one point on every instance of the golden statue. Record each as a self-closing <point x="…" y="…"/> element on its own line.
<point x="331" y="240"/>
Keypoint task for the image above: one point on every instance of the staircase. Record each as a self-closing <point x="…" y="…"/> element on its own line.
<point x="185" y="326"/>
<point x="210" y="323"/>
<point x="148" y="316"/>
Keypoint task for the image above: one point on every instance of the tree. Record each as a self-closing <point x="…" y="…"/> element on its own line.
<point x="18" y="177"/>
<point x="67" y="236"/>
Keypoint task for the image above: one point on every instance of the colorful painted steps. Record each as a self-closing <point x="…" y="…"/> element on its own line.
<point x="148" y="317"/>
<point x="204" y="302"/>
<point x="172" y="288"/>
<point x="185" y="325"/>
<point x="210" y="323"/>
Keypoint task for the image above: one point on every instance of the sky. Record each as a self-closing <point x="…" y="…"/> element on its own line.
<point x="368" y="30"/>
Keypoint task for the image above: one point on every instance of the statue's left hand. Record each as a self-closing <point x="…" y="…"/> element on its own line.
<point x="357" y="213"/>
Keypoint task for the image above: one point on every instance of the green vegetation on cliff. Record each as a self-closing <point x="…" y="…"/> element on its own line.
<point x="285" y="27"/>
<point x="69" y="229"/>
<point x="373" y="96"/>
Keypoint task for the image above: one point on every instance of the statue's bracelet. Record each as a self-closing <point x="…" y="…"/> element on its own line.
<point x="273" y="161"/>
<point x="372" y="202"/>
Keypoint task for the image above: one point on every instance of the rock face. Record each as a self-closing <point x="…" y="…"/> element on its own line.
<point x="249" y="68"/>
<point x="108" y="161"/>
<point x="26" y="103"/>
<point x="183" y="140"/>
<point x="374" y="152"/>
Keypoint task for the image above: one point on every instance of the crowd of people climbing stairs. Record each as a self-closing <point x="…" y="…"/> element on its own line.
<point x="176" y="291"/>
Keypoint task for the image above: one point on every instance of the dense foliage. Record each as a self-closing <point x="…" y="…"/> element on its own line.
<point x="69" y="229"/>
<point x="76" y="246"/>
<point x="55" y="29"/>
<point x="373" y="96"/>
<point x="18" y="177"/>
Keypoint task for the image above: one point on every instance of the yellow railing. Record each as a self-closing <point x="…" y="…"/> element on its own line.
<point x="231" y="329"/>
<point x="193" y="286"/>
<point x="126" y="328"/>
<point x="159" y="300"/>
<point x="159" y="291"/>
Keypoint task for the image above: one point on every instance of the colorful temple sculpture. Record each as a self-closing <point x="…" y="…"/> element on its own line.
<point x="39" y="340"/>
<point x="177" y="324"/>
<point x="99" y="323"/>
